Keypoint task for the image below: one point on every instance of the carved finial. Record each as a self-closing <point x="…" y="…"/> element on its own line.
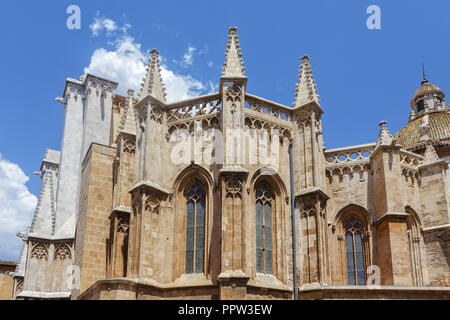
<point x="234" y="64"/>
<point x="153" y="83"/>
<point x="385" y="138"/>
<point x="306" y="90"/>
<point x="424" y="75"/>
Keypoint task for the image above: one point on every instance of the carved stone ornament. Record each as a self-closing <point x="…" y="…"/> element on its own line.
<point x="233" y="187"/>
<point x="234" y="95"/>
<point x="63" y="252"/>
<point x="19" y="285"/>
<point x="40" y="251"/>
<point x="122" y="225"/>
<point x="129" y="146"/>
<point x="152" y="204"/>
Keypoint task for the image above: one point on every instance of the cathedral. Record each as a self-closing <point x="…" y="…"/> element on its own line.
<point x="232" y="196"/>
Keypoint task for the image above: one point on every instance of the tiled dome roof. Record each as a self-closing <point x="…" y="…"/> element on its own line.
<point x="426" y="89"/>
<point x="439" y="122"/>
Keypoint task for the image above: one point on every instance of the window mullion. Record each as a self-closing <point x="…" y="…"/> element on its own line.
<point x="354" y="258"/>
<point x="194" y="246"/>
<point x="263" y="245"/>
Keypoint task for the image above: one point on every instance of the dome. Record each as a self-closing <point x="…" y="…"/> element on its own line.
<point x="426" y="89"/>
<point x="439" y="123"/>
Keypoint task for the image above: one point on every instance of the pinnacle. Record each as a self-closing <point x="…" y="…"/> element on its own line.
<point x="234" y="64"/>
<point x="127" y="121"/>
<point x="306" y="89"/>
<point x="430" y="154"/>
<point x="385" y="138"/>
<point x="152" y="83"/>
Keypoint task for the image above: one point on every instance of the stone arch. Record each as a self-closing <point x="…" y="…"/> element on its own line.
<point x="415" y="218"/>
<point x="345" y="221"/>
<point x="279" y="210"/>
<point x="191" y="174"/>
<point x="353" y="207"/>
<point x="414" y="237"/>
<point x="193" y="170"/>
<point x="272" y="176"/>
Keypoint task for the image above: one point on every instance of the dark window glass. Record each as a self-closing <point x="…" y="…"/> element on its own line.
<point x="263" y="229"/>
<point x="354" y="251"/>
<point x="350" y="260"/>
<point x="259" y="237"/>
<point x="359" y="258"/>
<point x="420" y="105"/>
<point x="195" y="229"/>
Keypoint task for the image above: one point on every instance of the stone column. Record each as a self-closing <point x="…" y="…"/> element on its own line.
<point x="232" y="279"/>
<point x="390" y="219"/>
<point x="97" y="111"/>
<point x="70" y="161"/>
<point x="435" y="213"/>
<point x="118" y="249"/>
<point x="313" y="238"/>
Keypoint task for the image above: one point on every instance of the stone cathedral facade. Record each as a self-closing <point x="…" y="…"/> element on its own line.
<point x="232" y="196"/>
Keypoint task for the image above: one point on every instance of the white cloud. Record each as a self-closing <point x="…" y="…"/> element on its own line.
<point x="102" y="23"/>
<point x="188" y="57"/>
<point x="16" y="209"/>
<point x="126" y="62"/>
<point x="179" y="87"/>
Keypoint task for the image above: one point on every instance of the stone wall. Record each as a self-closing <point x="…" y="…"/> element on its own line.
<point x="6" y="281"/>
<point x="93" y="226"/>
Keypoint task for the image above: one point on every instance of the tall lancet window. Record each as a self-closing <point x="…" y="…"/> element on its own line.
<point x="195" y="228"/>
<point x="263" y="229"/>
<point x="354" y="249"/>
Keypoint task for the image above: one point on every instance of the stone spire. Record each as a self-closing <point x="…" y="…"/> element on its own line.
<point x="385" y="138"/>
<point x="128" y="119"/>
<point x="430" y="154"/>
<point x="234" y="64"/>
<point x="43" y="223"/>
<point x="152" y="83"/>
<point x="306" y="90"/>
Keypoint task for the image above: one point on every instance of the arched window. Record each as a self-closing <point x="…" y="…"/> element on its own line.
<point x="195" y="228"/>
<point x="420" y="106"/>
<point x="354" y="251"/>
<point x="263" y="229"/>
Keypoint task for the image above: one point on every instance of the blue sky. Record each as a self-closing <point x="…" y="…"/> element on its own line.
<point x="363" y="75"/>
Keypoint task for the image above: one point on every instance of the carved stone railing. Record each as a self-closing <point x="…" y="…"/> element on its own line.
<point x="347" y="159"/>
<point x="206" y="109"/>
<point x="409" y="163"/>
<point x="267" y="109"/>
<point x="264" y="114"/>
